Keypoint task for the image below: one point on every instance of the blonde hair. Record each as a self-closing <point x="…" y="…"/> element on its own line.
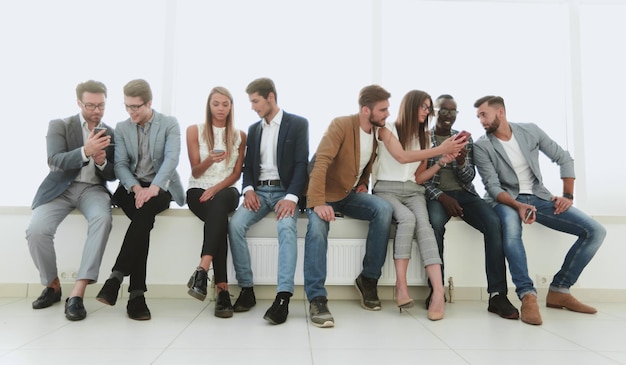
<point x="231" y="133"/>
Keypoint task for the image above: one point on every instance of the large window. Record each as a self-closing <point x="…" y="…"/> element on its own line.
<point x="534" y="54"/>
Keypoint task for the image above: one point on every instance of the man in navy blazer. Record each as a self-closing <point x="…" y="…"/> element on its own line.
<point x="81" y="161"/>
<point x="274" y="178"/>
<point x="507" y="158"/>
<point x="147" y="148"/>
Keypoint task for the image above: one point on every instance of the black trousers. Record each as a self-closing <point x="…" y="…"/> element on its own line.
<point x="214" y="214"/>
<point x="133" y="255"/>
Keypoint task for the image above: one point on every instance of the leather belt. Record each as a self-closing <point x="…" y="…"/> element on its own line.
<point x="268" y="183"/>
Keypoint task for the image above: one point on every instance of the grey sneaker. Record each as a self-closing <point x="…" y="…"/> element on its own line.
<point x="319" y="313"/>
<point x="368" y="292"/>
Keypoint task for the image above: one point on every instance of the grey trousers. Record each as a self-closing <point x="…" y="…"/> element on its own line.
<point x="411" y="215"/>
<point x="94" y="202"/>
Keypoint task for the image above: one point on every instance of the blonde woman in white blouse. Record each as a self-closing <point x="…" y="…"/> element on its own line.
<point x="216" y="151"/>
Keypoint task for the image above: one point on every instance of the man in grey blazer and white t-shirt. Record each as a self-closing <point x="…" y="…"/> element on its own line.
<point x="507" y="158"/>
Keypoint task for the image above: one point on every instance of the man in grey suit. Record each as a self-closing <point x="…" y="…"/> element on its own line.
<point x="147" y="148"/>
<point x="81" y="161"/>
<point x="507" y="158"/>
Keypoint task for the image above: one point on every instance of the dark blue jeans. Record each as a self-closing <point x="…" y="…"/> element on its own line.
<point x="478" y="214"/>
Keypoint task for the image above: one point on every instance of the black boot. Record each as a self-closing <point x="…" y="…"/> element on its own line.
<point x="223" y="306"/>
<point x="197" y="284"/>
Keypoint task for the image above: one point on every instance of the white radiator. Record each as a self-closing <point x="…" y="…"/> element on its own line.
<point x="345" y="256"/>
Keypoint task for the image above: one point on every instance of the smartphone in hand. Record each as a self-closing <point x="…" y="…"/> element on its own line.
<point x="529" y="214"/>
<point x="98" y="129"/>
<point x="217" y="150"/>
<point x="463" y="134"/>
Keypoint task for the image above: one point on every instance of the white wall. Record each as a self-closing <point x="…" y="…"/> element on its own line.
<point x="556" y="62"/>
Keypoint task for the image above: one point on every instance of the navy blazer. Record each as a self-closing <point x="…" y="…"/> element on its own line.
<point x="292" y="154"/>
<point x="64" y="142"/>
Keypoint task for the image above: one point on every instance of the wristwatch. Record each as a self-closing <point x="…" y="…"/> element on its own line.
<point x="442" y="165"/>
<point x="568" y="196"/>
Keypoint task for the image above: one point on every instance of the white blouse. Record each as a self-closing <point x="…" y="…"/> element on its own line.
<point x="388" y="168"/>
<point x="218" y="171"/>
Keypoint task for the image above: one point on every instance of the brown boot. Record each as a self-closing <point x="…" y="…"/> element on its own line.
<point x="530" y="310"/>
<point x="567" y="301"/>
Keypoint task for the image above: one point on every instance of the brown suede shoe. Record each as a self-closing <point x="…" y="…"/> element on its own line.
<point x="567" y="301"/>
<point x="530" y="310"/>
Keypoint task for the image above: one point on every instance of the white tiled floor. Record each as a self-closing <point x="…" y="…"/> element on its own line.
<point x="185" y="331"/>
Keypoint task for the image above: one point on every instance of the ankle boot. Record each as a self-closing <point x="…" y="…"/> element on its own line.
<point x="197" y="284"/>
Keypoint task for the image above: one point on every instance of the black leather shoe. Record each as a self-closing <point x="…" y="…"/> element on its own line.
<point x="110" y="290"/>
<point x="500" y="305"/>
<point x="197" y="284"/>
<point x="74" y="309"/>
<point x="47" y="298"/>
<point x="279" y="310"/>
<point x="245" y="301"/>
<point x="223" y="306"/>
<point x="137" y="309"/>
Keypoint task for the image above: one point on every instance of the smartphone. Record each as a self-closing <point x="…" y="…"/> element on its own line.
<point x="529" y="214"/>
<point x="98" y="129"/>
<point x="463" y="134"/>
<point x="217" y="150"/>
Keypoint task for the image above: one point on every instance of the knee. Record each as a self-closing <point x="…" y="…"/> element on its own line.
<point x="38" y="230"/>
<point x="407" y="221"/>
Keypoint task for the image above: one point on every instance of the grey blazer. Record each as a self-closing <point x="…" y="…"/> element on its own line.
<point x="496" y="169"/>
<point x="64" y="141"/>
<point x="164" y="150"/>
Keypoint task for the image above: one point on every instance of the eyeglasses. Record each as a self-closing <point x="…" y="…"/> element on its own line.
<point x="91" y="107"/>
<point x="426" y="108"/>
<point x="134" y="107"/>
<point x="448" y="112"/>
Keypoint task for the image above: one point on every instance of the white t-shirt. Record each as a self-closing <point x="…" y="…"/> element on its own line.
<point x="521" y="167"/>
<point x="367" y="146"/>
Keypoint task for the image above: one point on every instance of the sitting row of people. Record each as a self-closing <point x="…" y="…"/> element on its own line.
<point x="420" y="178"/>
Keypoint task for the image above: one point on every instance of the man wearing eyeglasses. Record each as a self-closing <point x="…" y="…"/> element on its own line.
<point x="147" y="148"/>
<point x="81" y="161"/>
<point x="450" y="193"/>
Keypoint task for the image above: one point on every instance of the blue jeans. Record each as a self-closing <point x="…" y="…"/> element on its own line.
<point x="238" y="227"/>
<point x="362" y="206"/>
<point x="590" y="236"/>
<point x="478" y="214"/>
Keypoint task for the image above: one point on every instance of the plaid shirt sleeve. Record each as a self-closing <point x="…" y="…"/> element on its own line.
<point x="432" y="191"/>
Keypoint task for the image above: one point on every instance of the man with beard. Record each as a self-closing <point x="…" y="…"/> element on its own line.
<point x="338" y="182"/>
<point x="507" y="158"/>
<point x="80" y="156"/>
<point x="274" y="179"/>
<point x="450" y="193"/>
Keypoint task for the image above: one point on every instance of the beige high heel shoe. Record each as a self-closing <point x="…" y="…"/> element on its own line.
<point x="405" y="304"/>
<point x="435" y="316"/>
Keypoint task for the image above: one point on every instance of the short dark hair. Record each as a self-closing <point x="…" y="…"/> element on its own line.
<point x="90" y="86"/>
<point x="264" y="86"/>
<point x="372" y="94"/>
<point x="491" y="100"/>
<point x="139" y="88"/>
